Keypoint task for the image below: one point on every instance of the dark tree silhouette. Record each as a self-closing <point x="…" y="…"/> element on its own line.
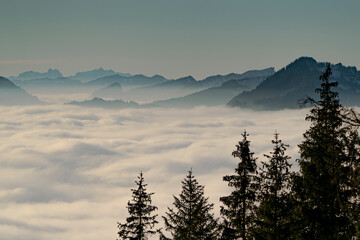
<point x="274" y="218"/>
<point x="329" y="154"/>
<point x="141" y="222"/>
<point x="239" y="206"/>
<point x="191" y="218"/>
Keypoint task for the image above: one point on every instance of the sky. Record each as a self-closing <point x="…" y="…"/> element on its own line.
<point x="66" y="171"/>
<point x="175" y="38"/>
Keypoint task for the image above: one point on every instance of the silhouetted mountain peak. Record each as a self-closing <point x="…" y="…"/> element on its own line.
<point x="303" y="62"/>
<point x="187" y="79"/>
<point x="305" y="59"/>
<point x="90" y="75"/>
<point x="51" y="73"/>
<point x="29" y="75"/>
<point x="54" y="72"/>
<point x="296" y="81"/>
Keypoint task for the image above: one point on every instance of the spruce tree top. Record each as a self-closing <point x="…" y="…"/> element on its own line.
<point x="238" y="209"/>
<point x="326" y="167"/>
<point x="327" y="110"/>
<point x="191" y="218"/>
<point x="141" y="221"/>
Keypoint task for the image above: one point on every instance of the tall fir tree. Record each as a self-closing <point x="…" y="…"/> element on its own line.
<point x="274" y="219"/>
<point x="191" y="218"/>
<point x="239" y="206"/>
<point x="142" y="219"/>
<point x="352" y="143"/>
<point x="327" y="156"/>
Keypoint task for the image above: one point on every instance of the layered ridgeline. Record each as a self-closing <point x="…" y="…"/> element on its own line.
<point x="109" y="85"/>
<point x="182" y="92"/>
<point x="10" y="94"/>
<point x="85" y="76"/>
<point x="28" y="75"/>
<point x="51" y="85"/>
<point x="53" y="82"/>
<point x="126" y="82"/>
<point x="212" y="91"/>
<point x="173" y="90"/>
<point x="112" y="91"/>
<point x="101" y="103"/>
<point x="91" y="75"/>
<point x="214" y="96"/>
<point x="256" y="89"/>
<point x="50" y="82"/>
<point x="288" y="86"/>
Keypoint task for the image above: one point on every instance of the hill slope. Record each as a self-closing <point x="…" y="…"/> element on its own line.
<point x="188" y="85"/>
<point x="296" y="81"/>
<point x="213" y="96"/>
<point x="11" y="95"/>
<point x="113" y="91"/>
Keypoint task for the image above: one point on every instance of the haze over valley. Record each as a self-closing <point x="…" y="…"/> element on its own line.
<point x="59" y="161"/>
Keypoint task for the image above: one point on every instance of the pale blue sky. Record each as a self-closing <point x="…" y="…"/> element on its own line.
<point x="175" y="38"/>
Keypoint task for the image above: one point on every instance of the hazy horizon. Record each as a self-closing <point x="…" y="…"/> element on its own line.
<point x="175" y="38"/>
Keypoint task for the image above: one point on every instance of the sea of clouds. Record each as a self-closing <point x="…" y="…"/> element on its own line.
<point x="66" y="171"/>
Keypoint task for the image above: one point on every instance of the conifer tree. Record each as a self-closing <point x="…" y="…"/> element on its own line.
<point x="227" y="232"/>
<point x="353" y="153"/>
<point x="239" y="206"/>
<point x="191" y="218"/>
<point x="326" y="162"/>
<point x="274" y="212"/>
<point x="141" y="222"/>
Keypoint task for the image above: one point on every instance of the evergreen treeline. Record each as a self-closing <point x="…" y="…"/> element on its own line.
<point x="321" y="201"/>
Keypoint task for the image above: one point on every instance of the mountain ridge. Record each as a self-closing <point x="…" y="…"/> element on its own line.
<point x="90" y="75"/>
<point x="297" y="81"/>
<point x="29" y="75"/>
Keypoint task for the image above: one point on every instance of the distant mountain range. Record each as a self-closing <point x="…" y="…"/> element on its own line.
<point x="213" y="96"/>
<point x="10" y="94"/>
<point x="130" y="81"/>
<point x="99" y="102"/>
<point x="230" y="86"/>
<point x="85" y="76"/>
<point x="139" y="88"/>
<point x="66" y="85"/>
<point x="217" y="80"/>
<point x="112" y="91"/>
<point x="51" y="74"/>
<point x="88" y="76"/>
<point x="257" y="89"/>
<point x="296" y="81"/>
<point x="51" y="86"/>
<point x="213" y="81"/>
<point x="188" y="85"/>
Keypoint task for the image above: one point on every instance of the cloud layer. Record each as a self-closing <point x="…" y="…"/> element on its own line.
<point x="66" y="172"/>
